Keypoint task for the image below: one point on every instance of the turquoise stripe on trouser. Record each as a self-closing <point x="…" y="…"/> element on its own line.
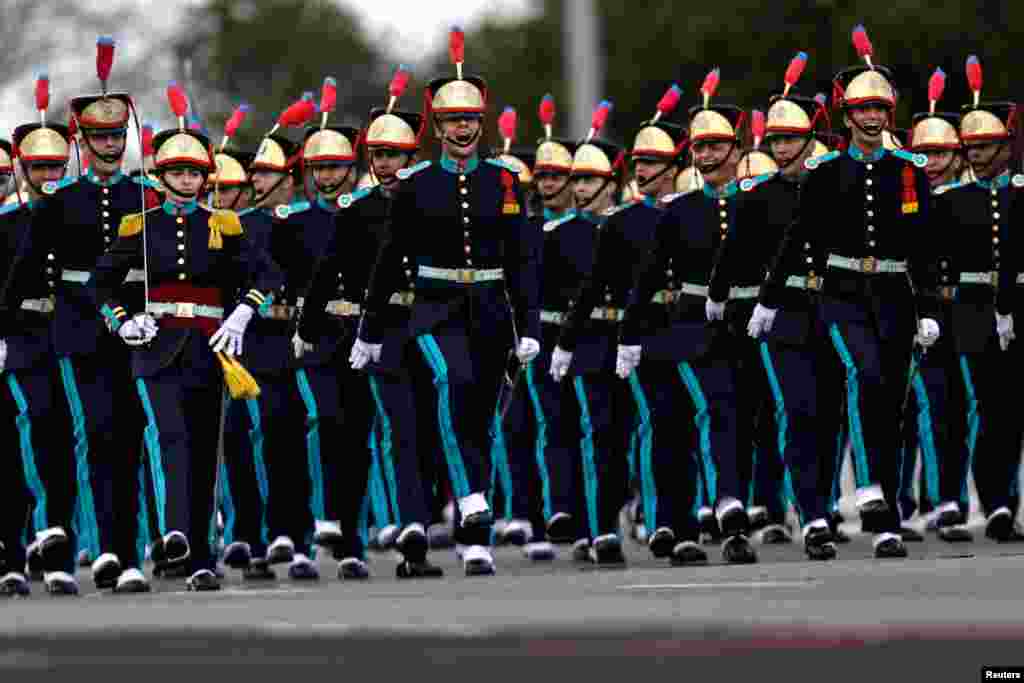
<point x="645" y="436"/>
<point x="364" y="519"/>
<point x="702" y="418"/>
<point x="28" y="456"/>
<point x="973" y="423"/>
<point x="316" y="474"/>
<point x="449" y="441"/>
<point x="87" y="507"/>
<point x="228" y="503"/>
<point x="151" y="436"/>
<point x="589" y="463"/>
<point x="387" y="458"/>
<point x="375" y="484"/>
<point x="499" y="464"/>
<point x="142" y="537"/>
<point x="258" y="463"/>
<point x="926" y="434"/>
<point x="782" y="426"/>
<point x="852" y="406"/>
<point x="541" y="443"/>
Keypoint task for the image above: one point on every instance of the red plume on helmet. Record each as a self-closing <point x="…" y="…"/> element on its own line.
<point x="234" y="123"/>
<point x="178" y="102"/>
<point x="147" y="140"/>
<point x="757" y="126"/>
<point x="546" y="113"/>
<point x="974" y="79"/>
<point x="794" y="71"/>
<point x="42" y="96"/>
<point x="710" y="85"/>
<point x="457" y="49"/>
<point x="507" y="123"/>
<point x="668" y="102"/>
<point x="936" y="85"/>
<point x="599" y="118"/>
<point x="399" y="82"/>
<point x="104" y="59"/>
<point x="862" y="44"/>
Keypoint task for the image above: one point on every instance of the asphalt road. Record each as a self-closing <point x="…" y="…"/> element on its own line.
<point x="939" y="615"/>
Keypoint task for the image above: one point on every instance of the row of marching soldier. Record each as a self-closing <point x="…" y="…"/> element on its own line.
<point x="259" y="338"/>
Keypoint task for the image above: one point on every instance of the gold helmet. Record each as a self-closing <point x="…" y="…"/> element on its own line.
<point x="755" y="162"/>
<point x="869" y="84"/>
<point x="659" y="140"/>
<point x="181" y="146"/>
<point x="553" y="155"/>
<point x="463" y="96"/>
<point x="45" y="143"/>
<point x="718" y="123"/>
<point x="934" y="130"/>
<point x="985" y="122"/>
<point x="106" y="113"/>
<point x="6" y="157"/>
<point x="329" y="145"/>
<point x="597" y="157"/>
<point x="394" y="129"/>
<point x="277" y="153"/>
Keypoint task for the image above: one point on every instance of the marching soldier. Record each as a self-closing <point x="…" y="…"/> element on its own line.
<point x="938" y="423"/>
<point x="981" y="261"/>
<point x="41" y="458"/>
<point x="56" y="472"/>
<point x="543" y="456"/>
<point x="362" y="227"/>
<point x="875" y="202"/>
<point x="272" y="494"/>
<point x="477" y="259"/>
<point x="588" y="339"/>
<point x="79" y="222"/>
<point x="798" y="368"/>
<point x="687" y="239"/>
<point x="196" y="263"/>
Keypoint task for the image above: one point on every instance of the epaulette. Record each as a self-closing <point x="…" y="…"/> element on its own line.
<point x="748" y="184"/>
<point x="814" y="162"/>
<point x="349" y="198"/>
<point x="619" y="207"/>
<point x="555" y="222"/>
<point x="285" y="210"/>
<point x="226" y="221"/>
<point x="52" y="186"/>
<point x="406" y="173"/>
<point x="942" y="189"/>
<point x="501" y="164"/>
<point x="147" y="182"/>
<point x="131" y="225"/>
<point x="1017" y="180"/>
<point x="9" y="208"/>
<point x="918" y="160"/>
<point x="669" y="198"/>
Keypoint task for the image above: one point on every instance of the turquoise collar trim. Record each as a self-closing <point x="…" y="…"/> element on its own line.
<point x="172" y="209"/>
<point x="590" y="217"/>
<point x="452" y="166"/>
<point x="95" y="179"/>
<point x="329" y="207"/>
<point x="550" y="215"/>
<point x="999" y="182"/>
<point x="727" y="191"/>
<point x="857" y="154"/>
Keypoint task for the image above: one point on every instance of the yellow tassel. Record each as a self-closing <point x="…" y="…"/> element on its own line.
<point x="223" y="222"/>
<point x="240" y="383"/>
<point x="130" y="225"/>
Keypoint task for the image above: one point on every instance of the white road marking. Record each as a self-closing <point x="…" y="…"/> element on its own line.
<point x="729" y="584"/>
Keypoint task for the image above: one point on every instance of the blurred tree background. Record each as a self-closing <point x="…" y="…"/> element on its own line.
<point x="269" y="52"/>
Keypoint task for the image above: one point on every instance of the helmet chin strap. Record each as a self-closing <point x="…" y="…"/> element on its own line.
<point x="38" y="189"/>
<point x="732" y="146"/>
<point x="373" y="167"/>
<point x="583" y="207"/>
<point x="654" y="177"/>
<point x="554" y="195"/>
<point x="260" y="198"/>
<point x="105" y="158"/>
<point x="464" y="145"/>
<point x="991" y="159"/>
<point x="328" y="190"/>
<point x="807" y="142"/>
<point x="184" y="195"/>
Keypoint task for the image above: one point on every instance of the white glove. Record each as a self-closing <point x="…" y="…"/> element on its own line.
<point x="363" y="353"/>
<point x="3" y="354"/>
<point x="299" y="346"/>
<point x="714" y="310"/>
<point x="560" y="360"/>
<point x="1004" y="328"/>
<point x="927" y="332"/>
<point x="229" y="337"/>
<point x="761" y="321"/>
<point x="528" y="349"/>
<point x="141" y="329"/>
<point x="626" y="360"/>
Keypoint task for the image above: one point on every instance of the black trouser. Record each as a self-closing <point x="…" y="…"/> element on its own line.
<point x="183" y="408"/>
<point x="15" y="498"/>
